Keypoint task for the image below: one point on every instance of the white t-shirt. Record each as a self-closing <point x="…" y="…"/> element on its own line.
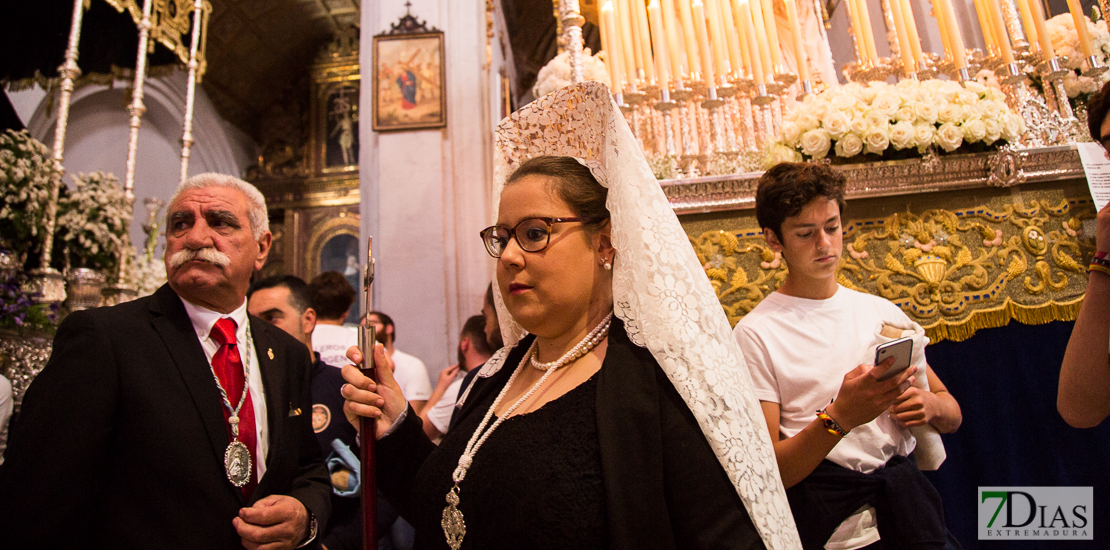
<point x="798" y="351"/>
<point x="412" y="376"/>
<point x="332" y="343"/>
<point x="440" y="414"/>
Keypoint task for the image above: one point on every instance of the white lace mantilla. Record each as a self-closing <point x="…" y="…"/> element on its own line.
<point x="660" y="290"/>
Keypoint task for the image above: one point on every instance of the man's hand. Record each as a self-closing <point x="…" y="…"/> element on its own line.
<point x="915" y="407"/>
<point x="863" y="397"/>
<point x="446" y="376"/>
<point x="274" y="522"/>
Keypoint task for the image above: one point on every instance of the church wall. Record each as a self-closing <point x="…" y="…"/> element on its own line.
<point x="425" y="194"/>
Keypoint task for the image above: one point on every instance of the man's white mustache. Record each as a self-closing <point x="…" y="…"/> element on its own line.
<point x="209" y="254"/>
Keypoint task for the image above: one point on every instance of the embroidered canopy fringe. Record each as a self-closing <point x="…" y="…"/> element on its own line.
<point x="1000" y="316"/>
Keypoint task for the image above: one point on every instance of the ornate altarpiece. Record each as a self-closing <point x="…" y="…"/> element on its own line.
<point x="308" y="169"/>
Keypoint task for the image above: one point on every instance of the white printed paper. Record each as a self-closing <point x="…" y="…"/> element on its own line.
<point x="1096" y="164"/>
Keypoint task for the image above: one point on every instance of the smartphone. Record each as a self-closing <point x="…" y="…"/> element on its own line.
<point x="901" y="350"/>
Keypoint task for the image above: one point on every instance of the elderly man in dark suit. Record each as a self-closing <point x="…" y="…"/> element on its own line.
<point x="176" y="420"/>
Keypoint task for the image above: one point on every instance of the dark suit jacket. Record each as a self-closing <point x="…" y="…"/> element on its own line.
<point x="664" y="488"/>
<point x="121" y="438"/>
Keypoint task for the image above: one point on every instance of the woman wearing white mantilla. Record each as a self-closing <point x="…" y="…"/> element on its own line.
<point x="619" y="415"/>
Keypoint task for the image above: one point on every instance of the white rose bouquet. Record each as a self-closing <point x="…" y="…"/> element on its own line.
<point x="882" y="119"/>
<point x="556" y="74"/>
<point x="1066" y="43"/>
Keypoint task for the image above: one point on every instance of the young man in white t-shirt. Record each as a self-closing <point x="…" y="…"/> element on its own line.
<point x="841" y="434"/>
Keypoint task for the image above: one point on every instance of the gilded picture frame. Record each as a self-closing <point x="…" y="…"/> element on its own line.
<point x="409" y="79"/>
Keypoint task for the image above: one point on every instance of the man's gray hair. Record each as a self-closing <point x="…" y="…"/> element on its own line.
<point x="256" y="207"/>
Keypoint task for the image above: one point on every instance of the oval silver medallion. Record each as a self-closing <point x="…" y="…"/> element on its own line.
<point x="237" y="462"/>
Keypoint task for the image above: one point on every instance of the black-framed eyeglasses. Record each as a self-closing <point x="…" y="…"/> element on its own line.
<point x="532" y="234"/>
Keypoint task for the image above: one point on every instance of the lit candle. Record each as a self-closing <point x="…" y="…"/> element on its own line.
<point x="1043" y="37"/>
<point x="639" y="14"/>
<point x="742" y="37"/>
<point x="633" y="62"/>
<point x="868" y="35"/>
<point x="911" y="30"/>
<point x="745" y="22"/>
<point x="703" y="43"/>
<point x="728" y="22"/>
<point x="677" y="51"/>
<point x="1028" y="23"/>
<point x="899" y="31"/>
<point x="1081" y="27"/>
<point x="693" y="57"/>
<point x="720" y="54"/>
<point x="955" y="39"/>
<point x="1001" y="38"/>
<point x="772" y="32"/>
<point x="987" y="25"/>
<point x="609" y="41"/>
<point x="857" y="31"/>
<point x="658" y="34"/>
<point x="938" y="12"/>
<point x="761" y="39"/>
<point x="799" y="44"/>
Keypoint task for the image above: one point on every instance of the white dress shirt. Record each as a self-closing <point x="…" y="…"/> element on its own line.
<point x="203" y="320"/>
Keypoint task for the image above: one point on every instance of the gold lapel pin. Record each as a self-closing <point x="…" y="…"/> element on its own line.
<point x="270" y="352"/>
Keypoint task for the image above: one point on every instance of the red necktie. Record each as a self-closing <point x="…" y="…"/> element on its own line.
<point x="229" y="369"/>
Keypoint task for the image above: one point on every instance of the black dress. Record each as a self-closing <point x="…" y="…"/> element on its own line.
<point x="641" y="473"/>
<point x="535" y="483"/>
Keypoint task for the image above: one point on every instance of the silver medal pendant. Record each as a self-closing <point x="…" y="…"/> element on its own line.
<point x="237" y="462"/>
<point x="453" y="526"/>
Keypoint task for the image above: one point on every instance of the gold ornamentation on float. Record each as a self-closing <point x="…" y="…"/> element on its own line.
<point x="952" y="271"/>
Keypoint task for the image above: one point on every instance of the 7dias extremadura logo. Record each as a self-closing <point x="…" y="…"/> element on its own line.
<point x="1037" y="513"/>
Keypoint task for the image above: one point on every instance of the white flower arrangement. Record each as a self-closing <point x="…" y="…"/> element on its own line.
<point x="91" y="222"/>
<point x="27" y="176"/>
<point x="556" y="74"/>
<point x="1066" y="43"/>
<point x="878" y="118"/>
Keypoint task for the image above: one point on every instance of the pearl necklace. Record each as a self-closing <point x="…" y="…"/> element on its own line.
<point x="581" y="348"/>
<point x="454" y="528"/>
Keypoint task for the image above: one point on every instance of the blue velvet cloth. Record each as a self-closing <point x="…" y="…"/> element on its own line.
<point x="1005" y="380"/>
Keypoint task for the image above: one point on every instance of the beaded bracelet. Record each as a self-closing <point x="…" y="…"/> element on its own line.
<point x="832" y="426"/>
<point x="1101" y="254"/>
<point x="1098" y="267"/>
<point x="1100" y="260"/>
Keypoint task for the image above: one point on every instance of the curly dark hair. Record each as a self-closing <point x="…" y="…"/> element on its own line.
<point x="788" y="187"/>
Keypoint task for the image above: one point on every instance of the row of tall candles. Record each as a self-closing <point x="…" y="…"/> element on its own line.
<point x="688" y="41"/>
<point x="1000" y="43"/>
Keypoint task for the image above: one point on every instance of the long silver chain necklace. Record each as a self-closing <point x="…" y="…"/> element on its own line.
<point x="453" y="525"/>
<point x="237" y="458"/>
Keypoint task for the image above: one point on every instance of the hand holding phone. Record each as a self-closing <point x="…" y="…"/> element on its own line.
<point x="901" y="350"/>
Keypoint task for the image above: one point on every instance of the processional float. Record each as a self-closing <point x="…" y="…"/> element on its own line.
<point x="164" y="21"/>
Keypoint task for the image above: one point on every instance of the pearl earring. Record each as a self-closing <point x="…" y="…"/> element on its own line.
<point x="608" y="266"/>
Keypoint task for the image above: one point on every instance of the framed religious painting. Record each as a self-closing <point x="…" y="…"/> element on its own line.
<point x="409" y="82"/>
<point x="337" y="126"/>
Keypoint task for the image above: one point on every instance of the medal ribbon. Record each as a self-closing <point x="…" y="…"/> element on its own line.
<point x="231" y="379"/>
